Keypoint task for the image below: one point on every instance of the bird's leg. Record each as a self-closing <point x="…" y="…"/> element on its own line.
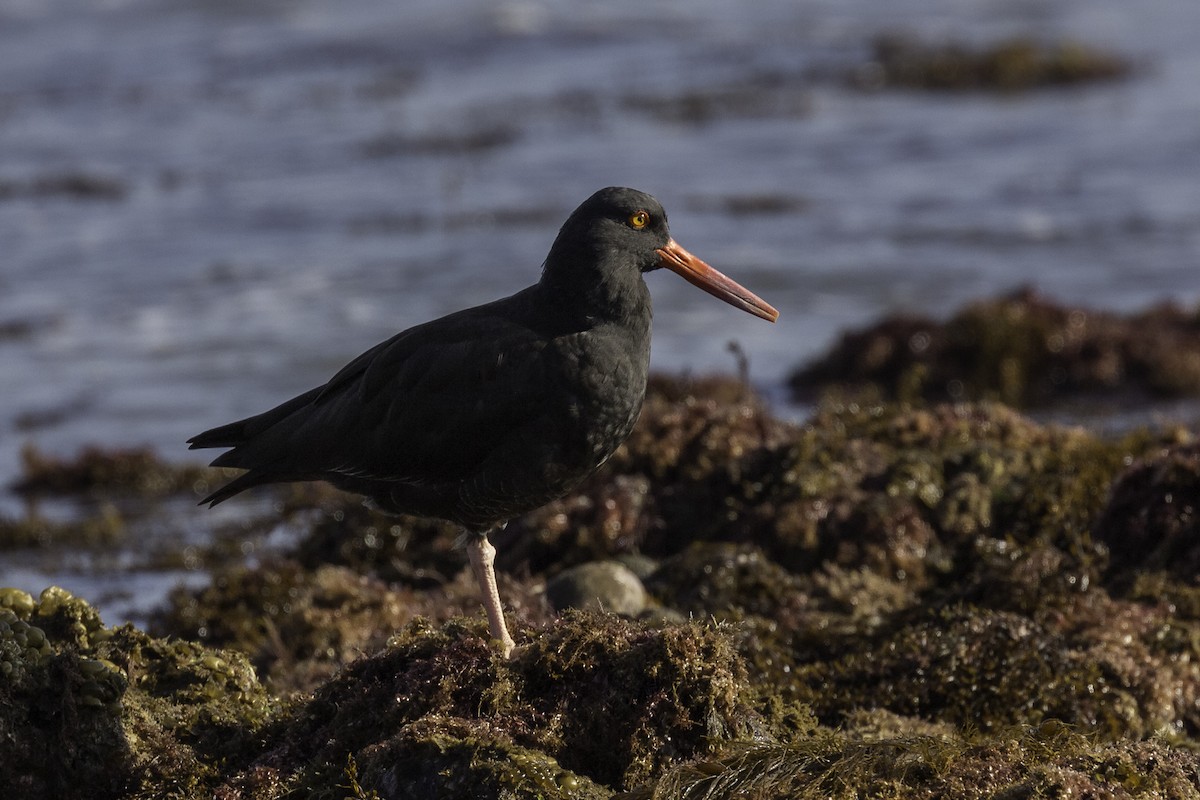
<point x="483" y="556"/>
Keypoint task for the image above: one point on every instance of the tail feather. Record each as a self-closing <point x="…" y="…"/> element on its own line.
<point x="230" y="435"/>
<point x="237" y="435"/>
<point x="242" y="431"/>
<point x="251" y="479"/>
<point x="236" y="486"/>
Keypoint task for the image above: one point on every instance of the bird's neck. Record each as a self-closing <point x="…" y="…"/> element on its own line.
<point x="596" y="293"/>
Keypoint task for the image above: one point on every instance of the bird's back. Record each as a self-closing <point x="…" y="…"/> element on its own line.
<point x="475" y="417"/>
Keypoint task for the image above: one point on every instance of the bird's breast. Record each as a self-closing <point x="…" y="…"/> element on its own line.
<point x="606" y="375"/>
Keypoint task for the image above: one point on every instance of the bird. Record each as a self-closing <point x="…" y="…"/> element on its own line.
<point x="493" y="411"/>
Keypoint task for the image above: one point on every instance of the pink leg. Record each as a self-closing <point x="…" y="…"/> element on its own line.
<point x="483" y="555"/>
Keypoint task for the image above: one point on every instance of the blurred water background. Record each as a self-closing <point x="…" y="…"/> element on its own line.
<point x="208" y="206"/>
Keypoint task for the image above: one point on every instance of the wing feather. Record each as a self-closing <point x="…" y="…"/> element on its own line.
<point x="429" y="405"/>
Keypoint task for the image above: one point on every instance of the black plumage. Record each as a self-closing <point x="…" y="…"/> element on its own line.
<point x="492" y="411"/>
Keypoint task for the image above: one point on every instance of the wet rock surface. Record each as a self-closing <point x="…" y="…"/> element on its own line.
<point x="886" y="599"/>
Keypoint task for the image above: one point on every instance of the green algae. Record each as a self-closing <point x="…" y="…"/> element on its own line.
<point x="656" y="697"/>
<point x="98" y="712"/>
<point x="23" y="646"/>
<point x="872" y="510"/>
<point x="20" y="602"/>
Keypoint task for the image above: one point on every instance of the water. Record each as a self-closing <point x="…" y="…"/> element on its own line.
<point x="280" y="185"/>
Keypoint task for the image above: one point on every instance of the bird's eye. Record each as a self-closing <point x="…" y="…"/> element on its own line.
<point x="639" y="220"/>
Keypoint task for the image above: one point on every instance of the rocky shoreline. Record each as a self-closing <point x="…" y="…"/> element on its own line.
<point x="897" y="597"/>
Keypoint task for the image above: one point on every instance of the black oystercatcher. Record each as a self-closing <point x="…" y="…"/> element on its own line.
<point x="490" y="412"/>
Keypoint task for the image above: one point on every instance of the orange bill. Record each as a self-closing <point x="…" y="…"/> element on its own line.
<point x="696" y="272"/>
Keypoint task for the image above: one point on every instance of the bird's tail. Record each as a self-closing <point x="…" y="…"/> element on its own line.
<point x="231" y="435"/>
<point x="247" y="453"/>
<point x="236" y="434"/>
<point x="236" y="486"/>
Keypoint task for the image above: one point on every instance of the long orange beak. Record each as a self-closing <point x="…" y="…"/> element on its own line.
<point x="697" y="273"/>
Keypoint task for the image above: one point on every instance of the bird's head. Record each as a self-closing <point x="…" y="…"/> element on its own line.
<point x="619" y="233"/>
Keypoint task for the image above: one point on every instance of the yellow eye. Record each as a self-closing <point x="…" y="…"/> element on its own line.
<point x="639" y="220"/>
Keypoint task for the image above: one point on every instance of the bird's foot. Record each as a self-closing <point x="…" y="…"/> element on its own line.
<point x="508" y="649"/>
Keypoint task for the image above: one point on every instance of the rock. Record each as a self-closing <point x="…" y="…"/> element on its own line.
<point x="598" y="585"/>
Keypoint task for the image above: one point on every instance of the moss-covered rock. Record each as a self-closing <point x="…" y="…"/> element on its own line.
<point x="137" y="471"/>
<point x="1045" y="761"/>
<point x="298" y="626"/>
<point x="23" y="647"/>
<point x="1152" y="519"/>
<point x="1015" y="64"/>
<point x="1023" y="350"/>
<point x="896" y="601"/>
<point x="902" y="492"/>
<point x="339" y="529"/>
<point x="458" y="758"/>
<point x="102" y="528"/>
<point x="979" y="670"/>
<point x="590" y="700"/>
<point x="96" y="712"/>
<point x="718" y="578"/>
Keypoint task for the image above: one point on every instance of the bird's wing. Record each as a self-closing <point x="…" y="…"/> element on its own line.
<point x="436" y="410"/>
<point x="429" y="405"/>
